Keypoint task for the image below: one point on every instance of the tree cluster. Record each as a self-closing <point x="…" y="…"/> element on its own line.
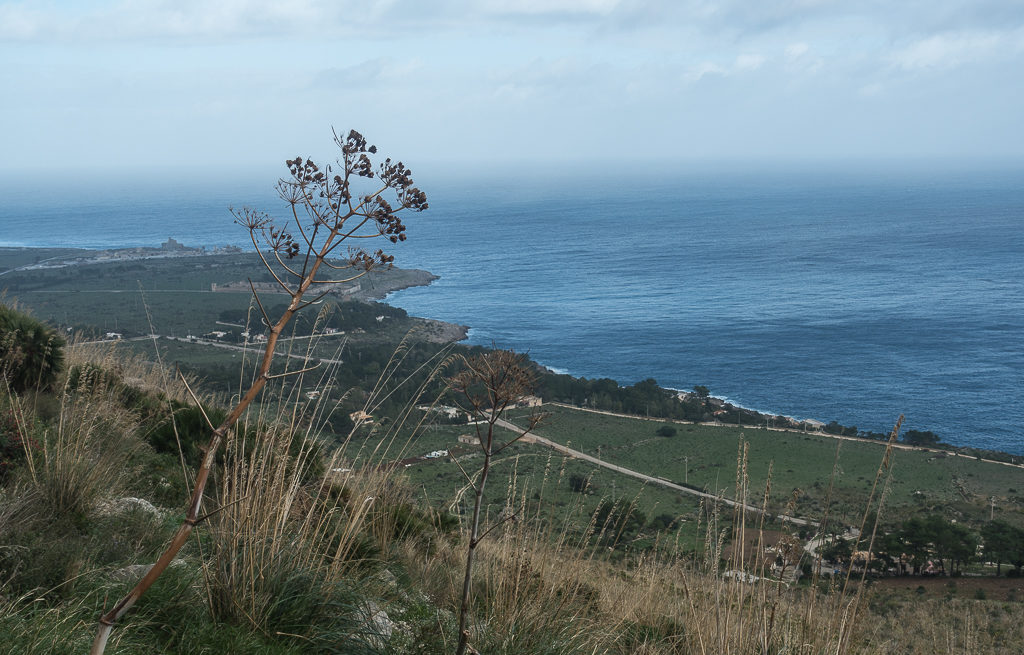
<point x="645" y="398"/>
<point x="933" y="545"/>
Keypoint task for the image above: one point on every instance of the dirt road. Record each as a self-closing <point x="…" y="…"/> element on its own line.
<point x="537" y="439"/>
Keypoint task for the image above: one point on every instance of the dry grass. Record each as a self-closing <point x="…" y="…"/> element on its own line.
<point x="964" y="627"/>
<point x="78" y="459"/>
<point x="288" y="514"/>
<point x="532" y="591"/>
<point x="540" y="589"/>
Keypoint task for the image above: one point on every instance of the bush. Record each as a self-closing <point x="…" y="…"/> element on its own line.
<point x="666" y="431"/>
<point x="578" y="482"/>
<point x="31" y="354"/>
<point x="186" y="431"/>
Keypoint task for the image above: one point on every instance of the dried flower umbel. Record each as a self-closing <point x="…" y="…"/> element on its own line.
<point x="326" y="212"/>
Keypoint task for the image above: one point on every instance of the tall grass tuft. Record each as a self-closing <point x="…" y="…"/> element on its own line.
<point x="78" y="458"/>
<point x="300" y="521"/>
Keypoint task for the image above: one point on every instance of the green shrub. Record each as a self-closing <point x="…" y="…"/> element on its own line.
<point x="31" y="354"/>
<point x="666" y="431"/>
<point x="186" y="429"/>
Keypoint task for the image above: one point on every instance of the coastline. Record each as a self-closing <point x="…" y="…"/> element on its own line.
<point x="378" y="287"/>
<point x="374" y="287"/>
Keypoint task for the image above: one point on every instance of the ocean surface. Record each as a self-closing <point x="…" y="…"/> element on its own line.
<point x="827" y="293"/>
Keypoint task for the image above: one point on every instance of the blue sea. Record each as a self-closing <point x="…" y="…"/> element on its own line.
<point x="852" y="294"/>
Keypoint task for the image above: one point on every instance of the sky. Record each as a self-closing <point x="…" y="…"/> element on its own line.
<point x="236" y="85"/>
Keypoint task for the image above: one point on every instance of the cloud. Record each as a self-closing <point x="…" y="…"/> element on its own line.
<point x="948" y="50"/>
<point x="116" y="20"/>
<point x="748" y="62"/>
<point x="495" y="70"/>
<point x="19" y="22"/>
<point x="798" y="58"/>
<point x="542" y="7"/>
<point x="710" y="20"/>
<point x="368" y="73"/>
<point x="201" y="19"/>
<point x="796" y="50"/>
<point x="549" y="78"/>
<point x="704" y="68"/>
<point x="744" y="63"/>
<point x="870" y="90"/>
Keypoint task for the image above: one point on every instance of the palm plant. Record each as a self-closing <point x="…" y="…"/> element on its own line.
<point x="31" y="353"/>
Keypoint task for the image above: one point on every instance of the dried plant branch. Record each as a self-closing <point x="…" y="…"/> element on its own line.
<point x="259" y="303"/>
<point x="221" y="509"/>
<point x="341" y="281"/>
<point x="506" y="519"/>
<point x="295" y="372"/>
<point x="320" y="197"/>
<point x="534" y="421"/>
<point x="195" y="399"/>
<point x="469" y="479"/>
<point x="337" y="268"/>
<point x="314" y="301"/>
<point x="266" y="264"/>
<point x="280" y="261"/>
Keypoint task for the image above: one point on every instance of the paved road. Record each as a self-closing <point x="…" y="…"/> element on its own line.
<point x="536" y="438"/>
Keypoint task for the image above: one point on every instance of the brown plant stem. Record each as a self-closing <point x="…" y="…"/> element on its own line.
<point x="490" y="384"/>
<point x="474" y="541"/>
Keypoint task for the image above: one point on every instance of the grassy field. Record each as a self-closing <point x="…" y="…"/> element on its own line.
<point x="541" y="477"/>
<point x="706" y="456"/>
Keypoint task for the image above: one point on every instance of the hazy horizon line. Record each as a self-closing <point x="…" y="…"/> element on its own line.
<point x="536" y="167"/>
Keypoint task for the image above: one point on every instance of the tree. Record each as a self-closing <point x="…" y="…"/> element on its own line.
<point x="935" y="537"/>
<point x="838" y="550"/>
<point x="953" y="542"/>
<point x="327" y="212"/>
<point x="489" y="384"/>
<point x="702" y="391"/>
<point x="915" y="537"/>
<point x="1003" y="543"/>
<point x="999" y="539"/>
